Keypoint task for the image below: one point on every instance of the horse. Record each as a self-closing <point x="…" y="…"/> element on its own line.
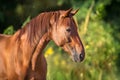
<point x="21" y="56"/>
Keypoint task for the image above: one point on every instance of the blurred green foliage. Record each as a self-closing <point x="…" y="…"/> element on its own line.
<point x="9" y="30"/>
<point x="98" y="26"/>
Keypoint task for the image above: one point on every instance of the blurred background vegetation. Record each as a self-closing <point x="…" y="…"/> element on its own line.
<point x="98" y="26"/>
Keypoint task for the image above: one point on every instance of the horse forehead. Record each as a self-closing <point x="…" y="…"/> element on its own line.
<point x="67" y="22"/>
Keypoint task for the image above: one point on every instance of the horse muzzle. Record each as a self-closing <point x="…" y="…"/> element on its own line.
<point x="77" y="53"/>
<point x="78" y="57"/>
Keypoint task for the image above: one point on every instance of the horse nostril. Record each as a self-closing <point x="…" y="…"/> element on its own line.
<point x="81" y="57"/>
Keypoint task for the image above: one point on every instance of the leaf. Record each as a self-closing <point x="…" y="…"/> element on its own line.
<point x="26" y="21"/>
<point x="9" y="30"/>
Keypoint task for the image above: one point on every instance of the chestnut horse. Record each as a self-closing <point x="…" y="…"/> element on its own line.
<point x="21" y="55"/>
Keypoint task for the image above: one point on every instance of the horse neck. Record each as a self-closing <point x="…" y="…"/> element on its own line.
<point x="32" y="32"/>
<point x="38" y="50"/>
<point x="40" y="40"/>
<point x="37" y="28"/>
<point x="30" y="53"/>
<point x="33" y="38"/>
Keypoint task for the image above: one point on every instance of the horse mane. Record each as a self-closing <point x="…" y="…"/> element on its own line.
<point x="38" y="26"/>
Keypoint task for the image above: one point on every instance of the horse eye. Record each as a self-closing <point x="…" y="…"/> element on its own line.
<point x="68" y="30"/>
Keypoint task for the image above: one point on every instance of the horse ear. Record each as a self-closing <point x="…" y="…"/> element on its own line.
<point x="73" y="12"/>
<point x="70" y="12"/>
<point x="67" y="12"/>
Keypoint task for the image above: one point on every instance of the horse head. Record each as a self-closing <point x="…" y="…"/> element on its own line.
<point x="64" y="34"/>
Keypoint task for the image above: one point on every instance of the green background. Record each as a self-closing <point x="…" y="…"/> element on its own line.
<point x="98" y="26"/>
